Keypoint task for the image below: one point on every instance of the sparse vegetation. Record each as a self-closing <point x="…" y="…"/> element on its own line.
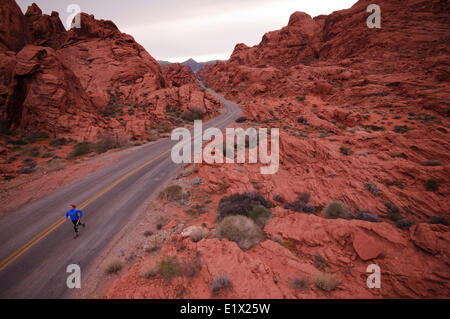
<point x="241" y="119"/>
<point x="198" y="234"/>
<point x="240" y="204"/>
<point x="221" y="283"/>
<point x="189" y="268"/>
<point x="401" y="129"/>
<point x="371" y="187"/>
<point x="405" y="223"/>
<point x="326" y="282"/>
<point x="172" y="193"/>
<point x="431" y="163"/>
<point x="393" y="211"/>
<point x="301" y="204"/>
<point x="346" y="150"/>
<point x="300" y="283"/>
<point x="335" y="210"/>
<point x="367" y="216"/>
<point x="161" y="222"/>
<point x="113" y="267"/>
<point x="80" y="149"/>
<point x="240" y="229"/>
<point x="150" y="270"/>
<point x="432" y="185"/>
<point x="58" y="142"/>
<point x="260" y="215"/>
<point x="439" y="220"/>
<point x="168" y="267"/>
<point x="193" y="114"/>
<point x="320" y="262"/>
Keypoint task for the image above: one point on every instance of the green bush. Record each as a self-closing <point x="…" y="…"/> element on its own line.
<point x="260" y="215"/>
<point x="168" y="267"/>
<point x="80" y="149"/>
<point x="335" y="210"/>
<point x="240" y="229"/>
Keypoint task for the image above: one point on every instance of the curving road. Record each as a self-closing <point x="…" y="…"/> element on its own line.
<point x="36" y="244"/>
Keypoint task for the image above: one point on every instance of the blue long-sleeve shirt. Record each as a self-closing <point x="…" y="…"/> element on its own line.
<point x="74" y="214"/>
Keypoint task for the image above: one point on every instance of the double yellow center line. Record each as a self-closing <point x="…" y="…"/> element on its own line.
<point x="20" y="251"/>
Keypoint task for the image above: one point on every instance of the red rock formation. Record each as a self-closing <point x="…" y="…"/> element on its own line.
<point x="95" y="76"/>
<point x="363" y="116"/>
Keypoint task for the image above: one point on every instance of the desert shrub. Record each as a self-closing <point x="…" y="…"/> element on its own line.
<point x="28" y="166"/>
<point x="198" y="234"/>
<point x="241" y="119"/>
<point x="301" y="98"/>
<point x="335" y="210"/>
<point x="193" y="114"/>
<point x="301" y="204"/>
<point x="240" y="229"/>
<point x="300" y="283"/>
<point x="240" y="204"/>
<point x="404" y="223"/>
<point x="113" y="267"/>
<point x="277" y="198"/>
<point x="148" y="233"/>
<point x="168" y="267"/>
<point x="59" y="142"/>
<point x="301" y="120"/>
<point x="80" y="149"/>
<point x="161" y="222"/>
<point x="172" y="193"/>
<point x="149" y="270"/>
<point x="439" y="220"/>
<point x="56" y="164"/>
<point x="104" y="144"/>
<point x="371" y="187"/>
<point x="320" y="262"/>
<point x="346" y="150"/>
<point x="431" y="163"/>
<point x="47" y="155"/>
<point x="35" y="136"/>
<point x="326" y="282"/>
<point x="189" y="268"/>
<point x="260" y="215"/>
<point x="401" y="129"/>
<point x="221" y="283"/>
<point x="432" y="185"/>
<point x="367" y="216"/>
<point x="393" y="211"/>
<point x="130" y="111"/>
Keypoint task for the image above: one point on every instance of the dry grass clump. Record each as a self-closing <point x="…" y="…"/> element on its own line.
<point x="326" y="282"/>
<point x="241" y="230"/>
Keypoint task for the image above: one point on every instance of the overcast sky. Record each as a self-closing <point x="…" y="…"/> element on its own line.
<point x="176" y="30"/>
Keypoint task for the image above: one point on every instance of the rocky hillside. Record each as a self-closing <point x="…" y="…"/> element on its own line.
<point x="363" y="178"/>
<point x="84" y="82"/>
<point x="84" y="85"/>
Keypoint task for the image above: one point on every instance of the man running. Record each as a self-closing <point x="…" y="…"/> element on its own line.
<point x="75" y="216"/>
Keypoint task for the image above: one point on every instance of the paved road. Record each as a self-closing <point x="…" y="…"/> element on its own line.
<point x="36" y="245"/>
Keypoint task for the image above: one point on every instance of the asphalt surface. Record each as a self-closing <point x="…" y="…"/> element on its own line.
<point x="39" y="270"/>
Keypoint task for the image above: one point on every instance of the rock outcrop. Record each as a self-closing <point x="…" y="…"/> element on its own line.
<point x="88" y="81"/>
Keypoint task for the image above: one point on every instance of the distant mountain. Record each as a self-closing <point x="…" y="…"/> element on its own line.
<point x="194" y="65"/>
